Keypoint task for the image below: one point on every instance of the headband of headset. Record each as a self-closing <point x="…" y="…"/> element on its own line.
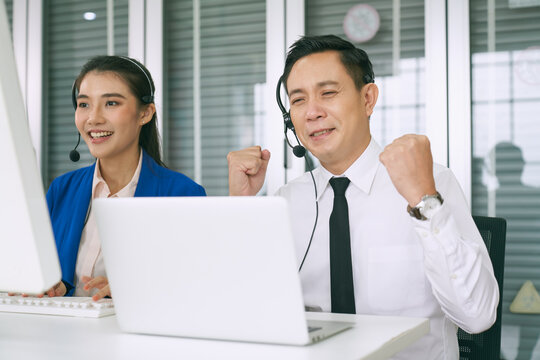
<point x="146" y="99"/>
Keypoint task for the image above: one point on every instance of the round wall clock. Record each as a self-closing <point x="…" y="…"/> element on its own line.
<point x="361" y="23"/>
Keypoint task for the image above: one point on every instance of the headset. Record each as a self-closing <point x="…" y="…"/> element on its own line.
<point x="146" y="99"/>
<point x="300" y="151"/>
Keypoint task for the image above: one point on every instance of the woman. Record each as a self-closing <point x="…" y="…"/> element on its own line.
<point x="116" y="116"/>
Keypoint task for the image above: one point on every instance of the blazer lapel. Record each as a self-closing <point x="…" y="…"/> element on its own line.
<point x="147" y="184"/>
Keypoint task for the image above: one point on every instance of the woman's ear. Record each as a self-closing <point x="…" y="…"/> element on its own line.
<point x="147" y="113"/>
<point x="371" y="93"/>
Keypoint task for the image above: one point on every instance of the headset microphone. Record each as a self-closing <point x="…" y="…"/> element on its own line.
<point x="74" y="154"/>
<point x="298" y="150"/>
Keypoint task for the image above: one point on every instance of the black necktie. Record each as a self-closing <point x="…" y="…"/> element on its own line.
<point x="341" y="277"/>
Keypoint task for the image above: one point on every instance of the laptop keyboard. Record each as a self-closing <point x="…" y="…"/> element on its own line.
<point x="63" y="306"/>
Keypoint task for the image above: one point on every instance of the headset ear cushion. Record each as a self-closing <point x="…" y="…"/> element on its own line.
<point x="147" y="99"/>
<point x="368" y="79"/>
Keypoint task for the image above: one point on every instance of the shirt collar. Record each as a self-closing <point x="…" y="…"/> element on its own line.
<point x="101" y="189"/>
<point x="361" y="173"/>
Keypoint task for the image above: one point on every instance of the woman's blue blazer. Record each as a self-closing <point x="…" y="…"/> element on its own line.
<point x="69" y="196"/>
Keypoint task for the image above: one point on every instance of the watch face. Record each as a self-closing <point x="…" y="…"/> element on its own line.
<point x="429" y="203"/>
<point x="361" y="23"/>
<point x="430" y="206"/>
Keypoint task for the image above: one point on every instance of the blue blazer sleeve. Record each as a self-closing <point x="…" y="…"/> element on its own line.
<point x="68" y="199"/>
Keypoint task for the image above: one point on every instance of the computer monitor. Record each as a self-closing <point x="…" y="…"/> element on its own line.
<point x="28" y="257"/>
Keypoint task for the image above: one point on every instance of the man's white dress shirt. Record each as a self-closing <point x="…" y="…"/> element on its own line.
<point x="437" y="268"/>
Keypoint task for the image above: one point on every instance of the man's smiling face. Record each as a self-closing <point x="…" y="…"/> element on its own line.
<point x="330" y="115"/>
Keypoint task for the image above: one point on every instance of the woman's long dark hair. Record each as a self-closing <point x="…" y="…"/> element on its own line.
<point x="140" y="82"/>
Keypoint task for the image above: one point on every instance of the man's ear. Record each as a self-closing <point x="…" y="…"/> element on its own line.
<point x="147" y="113"/>
<point x="370" y="95"/>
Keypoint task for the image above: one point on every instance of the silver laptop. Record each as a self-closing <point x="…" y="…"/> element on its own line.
<point x="206" y="267"/>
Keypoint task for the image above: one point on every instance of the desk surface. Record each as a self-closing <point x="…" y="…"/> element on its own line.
<point x="26" y="336"/>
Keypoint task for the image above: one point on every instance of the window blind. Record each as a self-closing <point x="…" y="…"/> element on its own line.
<point x="324" y="17"/>
<point x="121" y="26"/>
<point x="232" y="63"/>
<point x="69" y="42"/>
<point x="401" y="105"/>
<point x="515" y="29"/>
<point x="506" y="161"/>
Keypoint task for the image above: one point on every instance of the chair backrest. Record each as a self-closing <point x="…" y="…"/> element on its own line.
<point x="487" y="345"/>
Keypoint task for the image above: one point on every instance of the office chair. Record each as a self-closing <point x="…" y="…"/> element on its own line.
<point x="487" y="345"/>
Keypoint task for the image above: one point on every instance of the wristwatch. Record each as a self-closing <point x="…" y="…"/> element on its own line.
<point x="426" y="207"/>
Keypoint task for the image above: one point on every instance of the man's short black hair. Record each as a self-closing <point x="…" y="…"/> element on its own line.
<point x="355" y="60"/>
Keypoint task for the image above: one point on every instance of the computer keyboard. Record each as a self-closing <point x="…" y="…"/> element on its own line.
<point x="64" y="306"/>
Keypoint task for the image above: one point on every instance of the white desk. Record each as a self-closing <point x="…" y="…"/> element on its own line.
<point x="26" y="336"/>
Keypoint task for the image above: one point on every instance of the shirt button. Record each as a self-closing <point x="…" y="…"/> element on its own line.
<point x="424" y="234"/>
<point x="436" y="231"/>
<point x="453" y="276"/>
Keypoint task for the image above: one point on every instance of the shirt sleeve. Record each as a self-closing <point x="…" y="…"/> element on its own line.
<point x="456" y="260"/>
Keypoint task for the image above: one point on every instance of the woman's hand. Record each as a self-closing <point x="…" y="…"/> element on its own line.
<point x="57" y="290"/>
<point x="100" y="283"/>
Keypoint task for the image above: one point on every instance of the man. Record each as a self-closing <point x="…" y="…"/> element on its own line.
<point x="431" y="265"/>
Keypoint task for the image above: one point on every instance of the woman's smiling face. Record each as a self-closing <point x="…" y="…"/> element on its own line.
<point x="108" y="116"/>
